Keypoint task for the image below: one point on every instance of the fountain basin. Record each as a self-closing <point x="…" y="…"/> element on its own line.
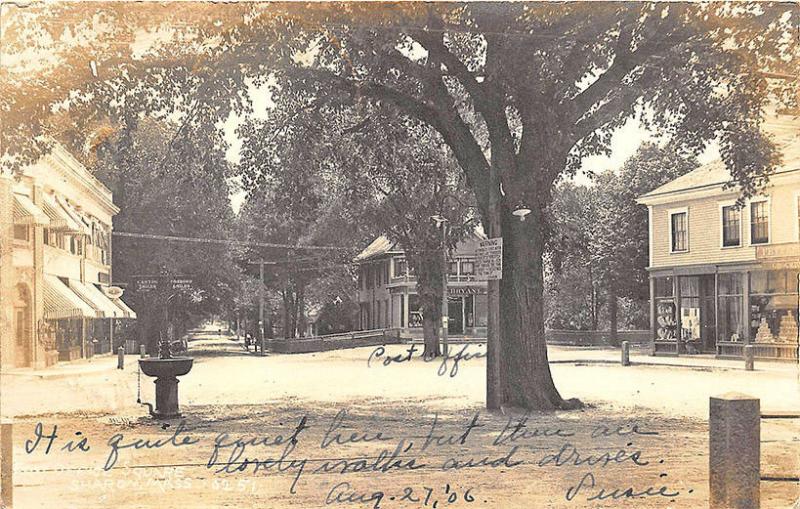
<point x="166" y="368"/>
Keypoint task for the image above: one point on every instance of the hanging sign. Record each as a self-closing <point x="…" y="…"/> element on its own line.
<point x="152" y="283"/>
<point x="113" y="292"/>
<point x="489" y="263"/>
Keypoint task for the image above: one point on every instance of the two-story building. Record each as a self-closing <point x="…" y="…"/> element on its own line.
<point x="387" y="290"/>
<point x="723" y="276"/>
<point x="58" y="302"/>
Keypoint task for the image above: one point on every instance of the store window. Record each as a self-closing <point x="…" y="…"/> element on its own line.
<point x="773" y="306"/>
<point x="730" y="307"/>
<point x="679" y="230"/>
<point x="481" y="310"/>
<point x="690" y="308"/>
<point x="666" y="324"/>
<point x="759" y="222"/>
<point x="468" y="268"/>
<point x="731" y="226"/>
<point x="414" y="311"/>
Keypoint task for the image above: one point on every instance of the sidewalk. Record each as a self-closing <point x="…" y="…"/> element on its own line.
<point x="96" y="364"/>
<point x="593" y="355"/>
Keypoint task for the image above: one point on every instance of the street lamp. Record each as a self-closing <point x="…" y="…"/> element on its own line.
<point x="442" y="221"/>
<point x="521" y="211"/>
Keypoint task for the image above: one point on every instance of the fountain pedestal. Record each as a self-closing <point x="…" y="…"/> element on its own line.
<point x="166" y="373"/>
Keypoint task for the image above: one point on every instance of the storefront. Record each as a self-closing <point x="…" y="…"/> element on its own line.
<point x="466" y="309"/>
<point x="720" y="312"/>
<point x="387" y="291"/>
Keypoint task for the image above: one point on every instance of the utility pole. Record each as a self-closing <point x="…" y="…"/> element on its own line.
<point x="445" y="317"/>
<point x="494" y="391"/>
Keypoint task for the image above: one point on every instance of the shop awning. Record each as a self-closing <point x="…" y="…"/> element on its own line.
<point x="77" y="223"/>
<point x="25" y="212"/>
<point x="129" y="313"/>
<point x="61" y="302"/>
<point x="59" y="220"/>
<point x="101" y="303"/>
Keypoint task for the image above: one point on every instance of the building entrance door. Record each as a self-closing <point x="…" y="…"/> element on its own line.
<point x="708" y="331"/>
<point x="23" y="339"/>
<point x="455" y="316"/>
<point x="708" y="322"/>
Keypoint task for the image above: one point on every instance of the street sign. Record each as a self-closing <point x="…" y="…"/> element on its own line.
<point x="489" y="259"/>
<point x="146" y="283"/>
<point x="182" y="283"/>
<point x="152" y="283"/>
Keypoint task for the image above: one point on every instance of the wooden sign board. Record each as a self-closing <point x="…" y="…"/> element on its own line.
<point x="489" y="263"/>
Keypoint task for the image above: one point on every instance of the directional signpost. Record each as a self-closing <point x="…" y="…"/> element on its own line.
<point x="489" y="255"/>
<point x="165" y="369"/>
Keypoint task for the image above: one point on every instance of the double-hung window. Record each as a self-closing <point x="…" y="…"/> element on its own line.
<point x="759" y="222"/>
<point x="679" y="231"/>
<point x="731" y="226"/>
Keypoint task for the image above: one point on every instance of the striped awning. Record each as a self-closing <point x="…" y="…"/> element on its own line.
<point x="61" y="302"/>
<point x="25" y="212"/>
<point x="59" y="220"/>
<point x="104" y="307"/>
<point x="77" y="222"/>
<point x="128" y="312"/>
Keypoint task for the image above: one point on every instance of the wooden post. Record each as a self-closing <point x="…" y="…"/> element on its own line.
<point x="734" y="459"/>
<point x="494" y="340"/>
<point x="749" y="357"/>
<point x="142" y="351"/>
<point x="121" y="357"/>
<point x="716" y="313"/>
<point x="6" y="465"/>
<point x="626" y="352"/>
<point x="652" y="315"/>
<point x="678" y="325"/>
<point x="746" y="302"/>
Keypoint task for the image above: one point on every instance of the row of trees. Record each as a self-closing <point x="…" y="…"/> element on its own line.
<point x="517" y="94"/>
<point x="598" y="252"/>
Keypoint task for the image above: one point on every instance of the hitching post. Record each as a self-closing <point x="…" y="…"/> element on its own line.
<point x="6" y="465"/>
<point x="734" y="459"/>
<point x="626" y="353"/>
<point x="121" y="357"/>
<point x="142" y="351"/>
<point x="749" y="357"/>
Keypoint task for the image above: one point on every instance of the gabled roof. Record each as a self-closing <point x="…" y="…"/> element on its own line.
<point x="383" y="246"/>
<point x="380" y="246"/>
<point x="786" y="135"/>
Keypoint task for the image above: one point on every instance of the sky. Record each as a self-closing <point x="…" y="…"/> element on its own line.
<point x="624" y="143"/>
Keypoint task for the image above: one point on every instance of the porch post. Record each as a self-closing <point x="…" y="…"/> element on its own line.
<point x="652" y="315"/>
<point x="746" y="303"/>
<point x="678" y="329"/>
<point x="716" y="312"/>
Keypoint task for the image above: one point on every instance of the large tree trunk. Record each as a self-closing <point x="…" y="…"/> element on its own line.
<point x="430" y="331"/>
<point x="612" y="312"/>
<point x="428" y="269"/>
<point x="527" y="382"/>
<point x="300" y="314"/>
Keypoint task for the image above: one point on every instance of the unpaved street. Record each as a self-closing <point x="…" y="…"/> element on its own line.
<point x="645" y="429"/>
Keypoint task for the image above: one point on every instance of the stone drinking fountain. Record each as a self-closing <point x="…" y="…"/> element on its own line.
<point x="166" y="369"/>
